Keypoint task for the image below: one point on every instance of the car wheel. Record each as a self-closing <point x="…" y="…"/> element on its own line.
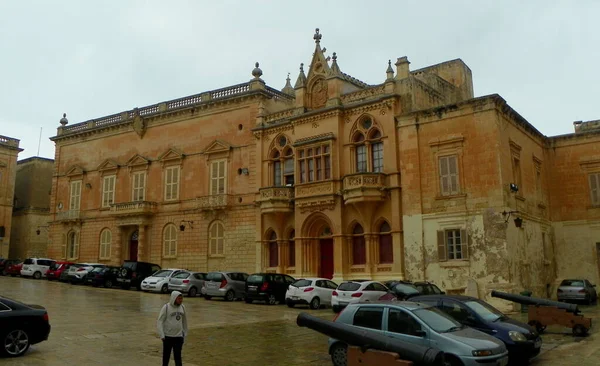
<point x="37" y="275"/>
<point x="336" y="309"/>
<point x="452" y="361"/>
<point x="164" y="289"/>
<point x="207" y="297"/>
<point x="579" y="330"/>
<point x="339" y="354"/>
<point x="108" y="284"/>
<point x="315" y="304"/>
<point x="229" y="296"/>
<point x="193" y="292"/>
<point x="15" y="343"/>
<point x="271" y="300"/>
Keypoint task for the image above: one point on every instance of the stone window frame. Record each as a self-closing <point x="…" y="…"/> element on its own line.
<point x="137" y="187"/>
<point x="443" y="245"/>
<point x="367" y="137"/>
<point x="169" y="236"/>
<point x="105" y="244"/>
<point x="358" y="239"/>
<point x="213" y="181"/>
<point x="108" y="195"/>
<point x="452" y="146"/>
<point x="175" y="187"/>
<point x="320" y="162"/>
<point x="591" y="169"/>
<point x="138" y="166"/>
<point x="72" y="243"/>
<point x="517" y="169"/>
<point x="278" y="156"/>
<point x="213" y="237"/>
<point x="75" y="194"/>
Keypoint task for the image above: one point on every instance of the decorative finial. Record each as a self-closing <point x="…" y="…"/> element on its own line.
<point x="334" y="56"/>
<point x="301" y="67"/>
<point x="389" y="72"/>
<point x="317" y="36"/>
<point x="64" y="120"/>
<point x="301" y="81"/>
<point x="324" y="49"/>
<point x="257" y="72"/>
<point x="287" y="89"/>
<point x="335" y="69"/>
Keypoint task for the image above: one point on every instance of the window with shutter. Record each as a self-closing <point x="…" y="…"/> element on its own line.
<point x="170" y="241"/>
<point x="74" y="202"/>
<point x="441" y="242"/>
<point x="105" y="241"/>
<point x="453" y="244"/>
<point x="139" y="186"/>
<point x="172" y="183"/>
<point x="449" y="175"/>
<point x="108" y="190"/>
<point x="595" y="188"/>
<point x="216" y="239"/>
<point x="217" y="177"/>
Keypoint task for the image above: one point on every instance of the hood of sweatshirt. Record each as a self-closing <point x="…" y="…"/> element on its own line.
<point x="174" y="295"/>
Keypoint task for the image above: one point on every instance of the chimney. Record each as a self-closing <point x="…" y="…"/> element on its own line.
<point x="402" y="69"/>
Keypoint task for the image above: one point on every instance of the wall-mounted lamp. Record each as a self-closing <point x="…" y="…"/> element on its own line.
<point x="514" y="188"/>
<point x="245" y="171"/>
<point x="88" y="185"/>
<point x="518" y="222"/>
<point x="182" y="225"/>
<point x="39" y="231"/>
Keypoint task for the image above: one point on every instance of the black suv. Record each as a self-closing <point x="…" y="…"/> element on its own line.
<point x="132" y="273"/>
<point x="268" y="287"/>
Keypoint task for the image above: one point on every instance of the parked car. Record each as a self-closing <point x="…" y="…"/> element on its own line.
<point x="310" y="291"/>
<point x="5" y="263"/>
<point x="351" y="292"/>
<point x="21" y="326"/>
<point x="577" y="290"/>
<point x="159" y="281"/>
<point x="36" y="267"/>
<point x="103" y="276"/>
<point x="408" y="288"/>
<point x="56" y="269"/>
<point x="268" y="287"/>
<point x="187" y="282"/>
<point x="228" y="285"/>
<point x="424" y="325"/>
<point x="14" y="269"/>
<point x="400" y="291"/>
<point x="76" y="274"/>
<point x="132" y="273"/>
<point x="64" y="276"/>
<point x="522" y="341"/>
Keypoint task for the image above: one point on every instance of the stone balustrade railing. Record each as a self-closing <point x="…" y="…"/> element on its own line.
<point x="363" y="94"/>
<point x="68" y="215"/>
<point x="137" y="207"/>
<point x="280" y="193"/>
<point x="213" y="202"/>
<point x="362" y="180"/>
<point x="9" y="141"/>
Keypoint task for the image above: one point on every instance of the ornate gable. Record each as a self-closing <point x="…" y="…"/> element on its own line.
<point x="75" y="171"/>
<point x="171" y="156"/>
<point x="108" y="166"/>
<point x="138" y="162"/>
<point x="217" y="149"/>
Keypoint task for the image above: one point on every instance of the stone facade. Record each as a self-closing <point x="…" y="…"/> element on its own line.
<point x="412" y="178"/>
<point x="9" y="151"/>
<point x="31" y="213"/>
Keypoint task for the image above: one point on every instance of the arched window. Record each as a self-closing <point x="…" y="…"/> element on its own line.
<point x="359" y="250"/>
<point x="292" y="249"/>
<point x="386" y="250"/>
<point x="170" y="241"/>
<point x="368" y="147"/>
<point x="282" y="162"/>
<point x="217" y="237"/>
<point x="105" y="242"/>
<point x="273" y="250"/>
<point x="72" y="245"/>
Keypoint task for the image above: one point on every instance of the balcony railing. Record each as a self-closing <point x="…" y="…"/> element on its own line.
<point x="69" y="215"/>
<point x="276" y="199"/>
<point x="133" y="208"/>
<point x="363" y="187"/>
<point x="214" y="202"/>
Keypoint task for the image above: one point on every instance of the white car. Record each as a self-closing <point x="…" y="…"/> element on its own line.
<point x="312" y="291"/>
<point x="352" y="292"/>
<point x="36" y="267"/>
<point x="159" y="280"/>
<point x="78" y="271"/>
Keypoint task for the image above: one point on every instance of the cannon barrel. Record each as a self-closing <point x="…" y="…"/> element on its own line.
<point x="535" y="301"/>
<point x="355" y="336"/>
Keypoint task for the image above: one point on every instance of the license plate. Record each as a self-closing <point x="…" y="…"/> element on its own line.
<point x="294" y="297"/>
<point x="503" y="362"/>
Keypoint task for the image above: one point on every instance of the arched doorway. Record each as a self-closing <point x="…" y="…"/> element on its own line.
<point x="319" y="252"/>
<point x="133" y="246"/>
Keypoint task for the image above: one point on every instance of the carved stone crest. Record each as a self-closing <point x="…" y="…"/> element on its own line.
<point x="319" y="94"/>
<point x="139" y="125"/>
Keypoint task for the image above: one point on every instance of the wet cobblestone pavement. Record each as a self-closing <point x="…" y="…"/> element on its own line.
<point x="95" y="326"/>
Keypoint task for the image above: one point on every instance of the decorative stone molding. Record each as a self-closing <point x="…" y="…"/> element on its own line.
<point x="217" y="149"/>
<point x="108" y="167"/>
<point x="133" y="208"/>
<point x="137" y="163"/>
<point x="171" y="157"/>
<point x="313" y="189"/>
<point x="214" y="202"/>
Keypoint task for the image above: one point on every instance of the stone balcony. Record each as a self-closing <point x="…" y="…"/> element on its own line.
<point x="214" y="202"/>
<point x="139" y="208"/>
<point x="276" y="199"/>
<point x="364" y="187"/>
<point x="68" y="216"/>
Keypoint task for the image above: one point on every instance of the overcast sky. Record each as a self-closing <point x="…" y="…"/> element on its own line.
<point x="90" y="59"/>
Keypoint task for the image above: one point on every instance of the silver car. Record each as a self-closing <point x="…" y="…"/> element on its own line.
<point x="187" y="282"/>
<point x="424" y="325"/>
<point x="577" y="290"/>
<point x="229" y="285"/>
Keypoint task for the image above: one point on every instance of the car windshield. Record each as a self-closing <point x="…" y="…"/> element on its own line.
<point x="572" y="283"/>
<point x="129" y="265"/>
<point x="55" y="266"/>
<point x="255" y="279"/>
<point x="162" y="273"/>
<point x="437" y="320"/>
<point x="349" y="286"/>
<point x="484" y="310"/>
<point x="182" y="275"/>
<point x="302" y="283"/>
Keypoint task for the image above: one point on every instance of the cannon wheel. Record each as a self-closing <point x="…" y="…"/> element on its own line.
<point x="579" y="330"/>
<point x="339" y="354"/>
<point x="537" y="325"/>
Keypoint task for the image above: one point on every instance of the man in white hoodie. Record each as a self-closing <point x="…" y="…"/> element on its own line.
<point x="172" y="328"/>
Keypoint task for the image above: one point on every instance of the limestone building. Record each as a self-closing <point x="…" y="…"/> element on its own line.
<point x="9" y="151"/>
<point x="412" y="177"/>
<point x="31" y="212"/>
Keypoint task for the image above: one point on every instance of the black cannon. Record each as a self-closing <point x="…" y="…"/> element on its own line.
<point x="525" y="300"/>
<point x="365" y="339"/>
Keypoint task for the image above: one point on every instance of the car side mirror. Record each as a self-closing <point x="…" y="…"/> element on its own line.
<point x="442" y="292"/>
<point x="420" y="333"/>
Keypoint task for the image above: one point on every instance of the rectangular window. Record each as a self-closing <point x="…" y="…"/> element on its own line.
<point x="314" y="164"/>
<point x="218" y="177"/>
<point x="377" y="149"/>
<point x="108" y="190"/>
<point x="449" y="175"/>
<point x="277" y="173"/>
<point x="452" y="244"/>
<point x="361" y="159"/>
<point x="517" y="173"/>
<point x="288" y="172"/>
<point x="74" y="202"/>
<point x="368" y="317"/>
<point x="172" y="183"/>
<point x="139" y="186"/>
<point x="595" y="188"/>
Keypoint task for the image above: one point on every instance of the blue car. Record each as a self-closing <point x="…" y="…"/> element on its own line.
<point x="522" y="341"/>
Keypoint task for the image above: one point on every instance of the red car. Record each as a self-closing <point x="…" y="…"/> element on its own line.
<point x="14" y="269"/>
<point x="56" y="270"/>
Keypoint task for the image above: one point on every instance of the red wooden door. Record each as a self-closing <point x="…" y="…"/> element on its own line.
<point x="326" y="258"/>
<point x="133" y="250"/>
